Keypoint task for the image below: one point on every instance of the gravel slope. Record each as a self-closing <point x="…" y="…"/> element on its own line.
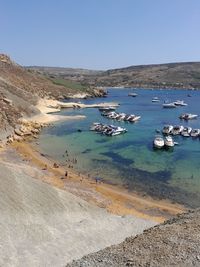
<point x="174" y="243"/>
<point x="43" y="226"/>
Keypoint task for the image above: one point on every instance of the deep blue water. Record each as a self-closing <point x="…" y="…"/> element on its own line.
<point x="130" y="158"/>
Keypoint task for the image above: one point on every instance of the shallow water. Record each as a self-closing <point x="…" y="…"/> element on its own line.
<point x="130" y="158"/>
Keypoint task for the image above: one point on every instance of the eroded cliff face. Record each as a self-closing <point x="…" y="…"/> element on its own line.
<point x="174" y="243"/>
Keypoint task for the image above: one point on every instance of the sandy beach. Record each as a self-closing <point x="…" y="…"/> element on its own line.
<point x="114" y="198"/>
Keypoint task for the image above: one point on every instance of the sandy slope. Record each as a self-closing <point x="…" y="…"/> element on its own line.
<point x="41" y="225"/>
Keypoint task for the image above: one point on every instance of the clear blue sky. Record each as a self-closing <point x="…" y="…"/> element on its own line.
<point x="100" y="34"/>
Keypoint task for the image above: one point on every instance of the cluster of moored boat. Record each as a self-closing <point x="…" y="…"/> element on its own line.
<point x="160" y="142"/>
<point x="180" y="130"/>
<point x="109" y="130"/>
<point x="120" y="116"/>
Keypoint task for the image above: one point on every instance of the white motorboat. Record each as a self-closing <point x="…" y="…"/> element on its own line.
<point x="180" y="103"/>
<point x="188" y="116"/>
<point x="186" y="131"/>
<point x="109" y="130"/>
<point x="95" y="125"/>
<point x="177" y="129"/>
<point x="169" y="142"/>
<point x="155" y="99"/>
<point x="169" y="105"/>
<point x="115" y="130"/>
<point x="127" y="117"/>
<point x="158" y="142"/>
<point x="112" y="115"/>
<point x="167" y="129"/>
<point x="121" y="116"/>
<point x="133" y="94"/>
<point x="134" y="118"/>
<point x="195" y="133"/>
<point x="109" y="108"/>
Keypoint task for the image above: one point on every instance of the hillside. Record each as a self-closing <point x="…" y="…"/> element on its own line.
<point x="41" y="225"/>
<point x="20" y="90"/>
<point x="172" y="75"/>
<point x="174" y="243"/>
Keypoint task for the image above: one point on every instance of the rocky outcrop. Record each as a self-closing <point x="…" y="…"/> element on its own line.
<point x="6" y="59"/>
<point x="174" y="243"/>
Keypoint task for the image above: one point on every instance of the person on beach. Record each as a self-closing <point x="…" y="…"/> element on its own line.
<point x="45" y="167"/>
<point x="66" y="173"/>
<point x="55" y="165"/>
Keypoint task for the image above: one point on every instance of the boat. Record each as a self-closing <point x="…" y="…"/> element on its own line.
<point x="134" y="118"/>
<point x="94" y="126"/>
<point x="158" y="142"/>
<point x="186" y="131"/>
<point x="180" y="103"/>
<point x="195" y="133"/>
<point x="169" y="142"/>
<point x="109" y="108"/>
<point x="177" y="129"/>
<point x="169" y="105"/>
<point x="188" y="116"/>
<point x="114" y="130"/>
<point x="109" y="130"/>
<point x="133" y="94"/>
<point x="189" y="95"/>
<point x="127" y="117"/>
<point x="155" y="99"/>
<point x="120" y="116"/>
<point x="167" y="129"/>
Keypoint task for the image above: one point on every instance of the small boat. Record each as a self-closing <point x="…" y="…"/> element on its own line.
<point x="109" y="108"/>
<point x="121" y="116"/>
<point x="133" y="94"/>
<point x="180" y="103"/>
<point x="158" y="142"/>
<point x="134" y="118"/>
<point x="169" y="105"/>
<point x="169" y="142"/>
<point x="188" y="116"/>
<point x="167" y="129"/>
<point x="127" y="117"/>
<point x="186" y="131"/>
<point x="155" y="99"/>
<point x="189" y="95"/>
<point x="109" y="130"/>
<point x="114" y="130"/>
<point x="177" y="129"/>
<point x="195" y="133"/>
<point x="94" y="126"/>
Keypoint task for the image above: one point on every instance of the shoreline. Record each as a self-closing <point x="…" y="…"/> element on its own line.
<point x="48" y="107"/>
<point x="114" y="198"/>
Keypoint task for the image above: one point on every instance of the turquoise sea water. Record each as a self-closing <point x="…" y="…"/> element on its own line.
<point x="130" y="158"/>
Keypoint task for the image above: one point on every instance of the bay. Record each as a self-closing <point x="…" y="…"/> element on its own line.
<point x="130" y="159"/>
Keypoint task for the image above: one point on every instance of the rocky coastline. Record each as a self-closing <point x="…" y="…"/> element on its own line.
<point x="50" y="219"/>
